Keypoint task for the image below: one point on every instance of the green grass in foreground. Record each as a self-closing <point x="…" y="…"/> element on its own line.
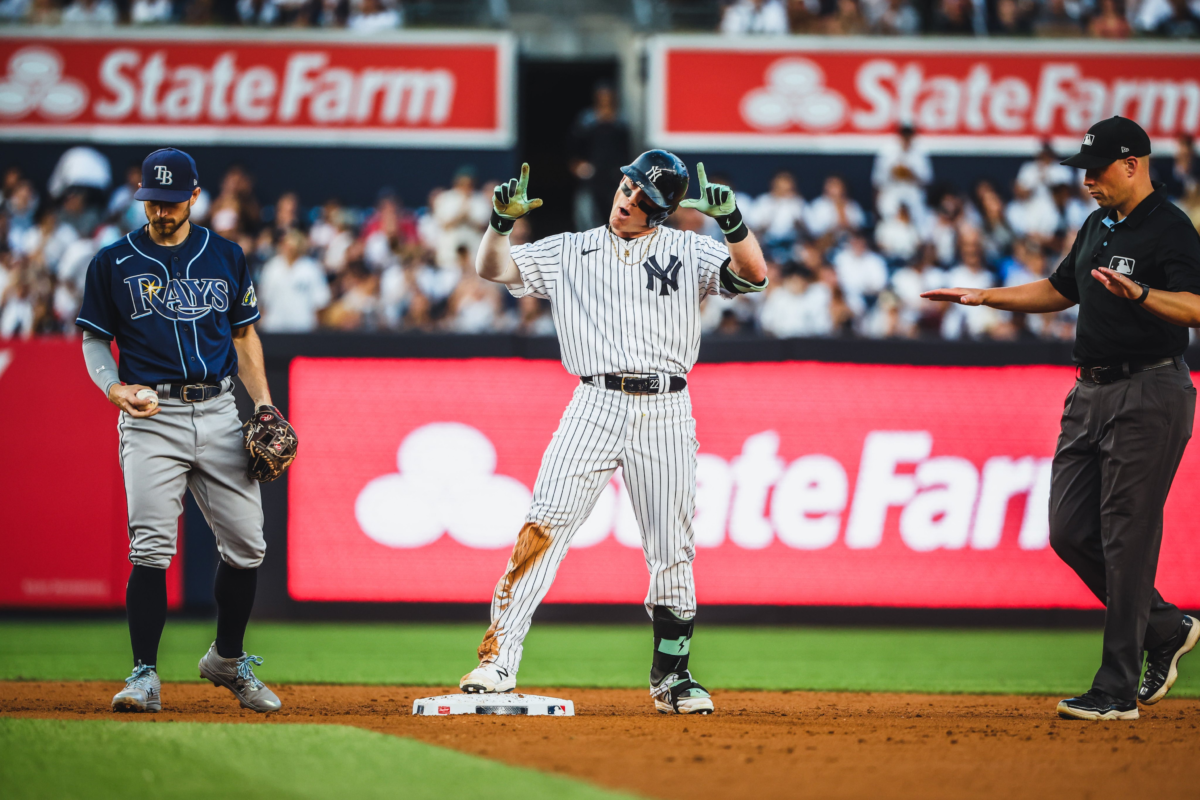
<point x="96" y="760"/>
<point x="1016" y="661"/>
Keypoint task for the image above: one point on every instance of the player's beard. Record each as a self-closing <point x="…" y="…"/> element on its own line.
<point x="165" y="227"/>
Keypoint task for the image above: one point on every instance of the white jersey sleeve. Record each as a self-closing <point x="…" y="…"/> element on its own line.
<point x="710" y="255"/>
<point x="540" y="264"/>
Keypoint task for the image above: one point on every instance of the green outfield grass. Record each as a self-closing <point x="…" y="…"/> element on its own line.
<point x="1013" y="661"/>
<point x="98" y="760"/>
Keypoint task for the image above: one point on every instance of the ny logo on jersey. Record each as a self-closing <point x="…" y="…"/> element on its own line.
<point x="180" y="300"/>
<point x="667" y="276"/>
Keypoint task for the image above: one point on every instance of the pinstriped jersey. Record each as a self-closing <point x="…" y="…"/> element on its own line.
<point x="624" y="305"/>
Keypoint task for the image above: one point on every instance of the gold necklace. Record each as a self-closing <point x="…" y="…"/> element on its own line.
<point x="618" y="247"/>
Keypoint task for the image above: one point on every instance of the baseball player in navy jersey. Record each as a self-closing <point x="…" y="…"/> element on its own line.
<point x="626" y="304"/>
<point x="180" y="304"/>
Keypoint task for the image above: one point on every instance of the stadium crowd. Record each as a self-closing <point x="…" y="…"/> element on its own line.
<point x="1116" y="19"/>
<point x="839" y="265"/>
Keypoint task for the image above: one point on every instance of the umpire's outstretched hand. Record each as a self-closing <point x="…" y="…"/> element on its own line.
<point x="967" y="297"/>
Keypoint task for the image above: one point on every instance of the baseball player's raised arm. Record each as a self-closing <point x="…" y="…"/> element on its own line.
<point x="747" y="266"/>
<point x="1039" y="297"/>
<point x="510" y="202"/>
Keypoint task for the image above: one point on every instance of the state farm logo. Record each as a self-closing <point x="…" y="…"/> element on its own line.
<point x="445" y="483"/>
<point x="795" y="94"/>
<point x="35" y="82"/>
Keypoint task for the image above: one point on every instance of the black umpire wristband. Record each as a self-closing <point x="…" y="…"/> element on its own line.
<point x="502" y="225"/>
<point x="1145" y="293"/>
<point x="732" y="226"/>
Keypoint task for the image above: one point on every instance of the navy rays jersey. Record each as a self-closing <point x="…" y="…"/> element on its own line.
<point x="171" y="311"/>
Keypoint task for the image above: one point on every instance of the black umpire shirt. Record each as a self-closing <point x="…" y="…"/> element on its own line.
<point x="1155" y="245"/>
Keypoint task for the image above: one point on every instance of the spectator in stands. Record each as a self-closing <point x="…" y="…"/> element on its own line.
<point x="151" y="12"/>
<point x="755" y="16"/>
<point x="1184" y="174"/>
<point x="357" y="304"/>
<point x="80" y="168"/>
<point x="236" y="209"/>
<point x="892" y="17"/>
<point x="372" y="16"/>
<point x="862" y="274"/>
<point x="599" y="146"/>
<point x="887" y="320"/>
<point x="16" y="307"/>
<point x="941" y="230"/>
<point x="953" y="17"/>
<point x="901" y="172"/>
<point x="44" y="12"/>
<point x="846" y="20"/>
<point x="963" y="322"/>
<point x="292" y="289"/>
<point x="13" y="11"/>
<point x="997" y="237"/>
<point x="21" y="205"/>
<point x="1109" y="21"/>
<point x="796" y="307"/>
<point x="834" y="212"/>
<point x="777" y="217"/>
<point x="286" y="215"/>
<point x="898" y="238"/>
<point x="1182" y="23"/>
<point x="533" y="317"/>
<point x="1032" y="214"/>
<point x="1072" y="210"/>
<point x="461" y="214"/>
<point x="1044" y="171"/>
<point x="907" y="283"/>
<point x="92" y="13"/>
<point x="475" y="305"/>
<point x="804" y="16"/>
<point x="1012" y="18"/>
<point x="1054" y="18"/>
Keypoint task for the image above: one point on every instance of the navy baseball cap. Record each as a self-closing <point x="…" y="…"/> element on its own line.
<point x="1110" y="140"/>
<point x="169" y="176"/>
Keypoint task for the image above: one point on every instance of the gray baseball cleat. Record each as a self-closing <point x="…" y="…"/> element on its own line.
<point x="237" y="675"/>
<point x="142" y="691"/>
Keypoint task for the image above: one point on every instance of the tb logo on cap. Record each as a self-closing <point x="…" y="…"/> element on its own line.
<point x="162" y="175"/>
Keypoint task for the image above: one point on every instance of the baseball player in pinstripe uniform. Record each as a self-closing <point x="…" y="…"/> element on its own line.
<point x="626" y="304"/>
<point x="179" y="301"/>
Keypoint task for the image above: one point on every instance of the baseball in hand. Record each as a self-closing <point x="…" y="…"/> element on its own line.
<point x="148" y="394"/>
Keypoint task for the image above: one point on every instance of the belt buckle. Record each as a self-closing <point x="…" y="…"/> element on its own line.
<point x="652" y="384"/>
<point x="183" y="392"/>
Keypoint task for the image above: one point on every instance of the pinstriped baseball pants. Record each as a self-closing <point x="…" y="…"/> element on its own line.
<point x="653" y="439"/>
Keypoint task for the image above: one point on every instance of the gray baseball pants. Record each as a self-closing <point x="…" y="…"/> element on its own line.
<point x="1117" y="454"/>
<point x="197" y="446"/>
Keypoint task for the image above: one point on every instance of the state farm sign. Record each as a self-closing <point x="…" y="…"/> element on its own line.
<point x="846" y="485"/>
<point x="850" y="95"/>
<point x="410" y="91"/>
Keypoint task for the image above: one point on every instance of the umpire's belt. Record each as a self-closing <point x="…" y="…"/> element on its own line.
<point x="193" y="392"/>
<point x="637" y="384"/>
<point x="1111" y="373"/>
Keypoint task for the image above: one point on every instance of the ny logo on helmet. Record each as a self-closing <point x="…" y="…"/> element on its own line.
<point x="669" y="276"/>
<point x="656" y="171"/>
<point x="163" y="175"/>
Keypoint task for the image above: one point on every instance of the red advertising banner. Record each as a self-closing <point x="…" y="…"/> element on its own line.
<point x="62" y="499"/>
<point x="431" y="90"/>
<point x="850" y="95"/>
<point x="845" y="485"/>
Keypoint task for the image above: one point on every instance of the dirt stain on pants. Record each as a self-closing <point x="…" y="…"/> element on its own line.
<point x="532" y="543"/>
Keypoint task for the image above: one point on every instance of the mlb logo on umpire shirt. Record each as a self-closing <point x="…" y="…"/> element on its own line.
<point x="1122" y="264"/>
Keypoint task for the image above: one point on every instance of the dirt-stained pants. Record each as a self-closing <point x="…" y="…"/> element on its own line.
<point x="653" y="439"/>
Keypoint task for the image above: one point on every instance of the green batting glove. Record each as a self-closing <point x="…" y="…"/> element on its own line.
<point x="717" y="201"/>
<point x="510" y="202"/>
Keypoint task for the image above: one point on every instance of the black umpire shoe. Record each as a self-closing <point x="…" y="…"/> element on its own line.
<point x="1162" y="662"/>
<point x="1095" y="704"/>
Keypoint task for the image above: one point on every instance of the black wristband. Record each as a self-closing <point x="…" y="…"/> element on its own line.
<point x="729" y="223"/>
<point x="502" y="225"/>
<point x="736" y="235"/>
<point x="1145" y="293"/>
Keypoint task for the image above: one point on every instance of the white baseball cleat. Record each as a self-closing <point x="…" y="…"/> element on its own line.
<point x="679" y="693"/>
<point x="487" y="678"/>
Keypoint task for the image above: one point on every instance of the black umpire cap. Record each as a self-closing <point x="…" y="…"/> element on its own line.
<point x="1110" y="140"/>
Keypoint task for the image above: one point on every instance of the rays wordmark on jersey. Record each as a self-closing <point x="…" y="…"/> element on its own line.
<point x="179" y="300"/>
<point x="669" y="277"/>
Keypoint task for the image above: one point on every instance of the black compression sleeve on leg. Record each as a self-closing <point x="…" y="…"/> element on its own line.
<point x="234" y="591"/>
<point x="146" y="609"/>
<point x="672" y="643"/>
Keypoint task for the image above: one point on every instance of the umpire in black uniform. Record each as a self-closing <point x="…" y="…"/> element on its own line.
<point x="1135" y="272"/>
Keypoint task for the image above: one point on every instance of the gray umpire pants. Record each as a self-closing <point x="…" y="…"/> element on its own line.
<point x="1117" y="454"/>
<point x="197" y="446"/>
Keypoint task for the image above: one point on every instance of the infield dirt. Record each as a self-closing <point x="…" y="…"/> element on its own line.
<point x="757" y="745"/>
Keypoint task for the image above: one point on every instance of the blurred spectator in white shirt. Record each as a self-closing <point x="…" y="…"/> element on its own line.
<point x="1043" y="172"/>
<point x="292" y="288"/>
<point x="1032" y="214"/>
<point x="797" y="307"/>
<point x="755" y="16"/>
<point x="887" y="320"/>
<point x="862" y="273"/>
<point x="461" y="214"/>
<point x="13" y="10"/>
<point x="1072" y="210"/>
<point x="151" y="12"/>
<point x="533" y="317"/>
<point x="777" y="216"/>
<point x="47" y="240"/>
<point x="922" y="275"/>
<point x="993" y="227"/>
<point x="80" y="167"/>
<point x="970" y="322"/>
<point x="16" y="310"/>
<point x="897" y="237"/>
<point x="902" y="171"/>
<point x="475" y="304"/>
<point x="372" y="16"/>
<point x="93" y="13"/>
<point x="892" y="17"/>
<point x="834" y="212"/>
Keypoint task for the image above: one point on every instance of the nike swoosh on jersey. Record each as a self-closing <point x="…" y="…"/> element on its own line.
<point x="586" y="252"/>
<point x="126" y="258"/>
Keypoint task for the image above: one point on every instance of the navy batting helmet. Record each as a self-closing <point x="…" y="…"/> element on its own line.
<point x="663" y="178"/>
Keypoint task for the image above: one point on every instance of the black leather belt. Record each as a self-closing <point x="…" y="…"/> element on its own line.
<point x="192" y="392"/>
<point x="1111" y="373"/>
<point x="636" y="384"/>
